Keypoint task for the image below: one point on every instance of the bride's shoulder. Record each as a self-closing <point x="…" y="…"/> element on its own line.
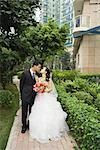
<point x="50" y="80"/>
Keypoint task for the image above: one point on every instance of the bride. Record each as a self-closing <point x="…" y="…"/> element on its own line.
<point x="47" y="118"/>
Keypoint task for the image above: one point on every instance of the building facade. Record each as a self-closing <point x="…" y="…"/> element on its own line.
<point x="50" y="9"/>
<point x="87" y="35"/>
<point x="67" y="17"/>
<point x="61" y="11"/>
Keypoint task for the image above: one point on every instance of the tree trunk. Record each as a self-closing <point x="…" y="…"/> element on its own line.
<point x="61" y="66"/>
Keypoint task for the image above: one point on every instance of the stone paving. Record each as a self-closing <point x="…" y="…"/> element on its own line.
<point x="19" y="141"/>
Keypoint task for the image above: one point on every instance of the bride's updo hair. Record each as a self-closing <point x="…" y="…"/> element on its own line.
<point x="47" y="74"/>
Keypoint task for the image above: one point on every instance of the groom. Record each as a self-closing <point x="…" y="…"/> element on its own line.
<point x="27" y="94"/>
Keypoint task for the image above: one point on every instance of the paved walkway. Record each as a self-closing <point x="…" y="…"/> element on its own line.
<point x="19" y="141"/>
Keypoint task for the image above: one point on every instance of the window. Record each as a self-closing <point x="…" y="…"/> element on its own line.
<point x="78" y="22"/>
<point x="68" y="18"/>
<point x="78" y="61"/>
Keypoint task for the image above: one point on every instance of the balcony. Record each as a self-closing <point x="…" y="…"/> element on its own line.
<point x="81" y="23"/>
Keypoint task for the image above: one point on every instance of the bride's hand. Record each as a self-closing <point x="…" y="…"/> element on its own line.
<point x="48" y="90"/>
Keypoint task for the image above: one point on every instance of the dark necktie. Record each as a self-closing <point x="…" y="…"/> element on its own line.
<point x="33" y="75"/>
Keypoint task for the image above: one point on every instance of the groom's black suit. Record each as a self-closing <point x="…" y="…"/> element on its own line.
<point x="27" y="94"/>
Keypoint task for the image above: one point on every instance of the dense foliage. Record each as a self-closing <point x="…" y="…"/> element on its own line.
<point x="82" y="119"/>
<point x="80" y="98"/>
<point x="9" y="104"/>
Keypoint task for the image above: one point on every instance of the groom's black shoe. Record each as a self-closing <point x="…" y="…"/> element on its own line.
<point x="23" y="129"/>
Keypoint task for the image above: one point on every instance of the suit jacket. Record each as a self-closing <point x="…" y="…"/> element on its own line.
<point x="26" y="87"/>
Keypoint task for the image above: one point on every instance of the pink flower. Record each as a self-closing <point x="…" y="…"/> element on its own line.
<point x="40" y="87"/>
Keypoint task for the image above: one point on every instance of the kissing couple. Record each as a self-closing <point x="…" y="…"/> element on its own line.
<point x="42" y="114"/>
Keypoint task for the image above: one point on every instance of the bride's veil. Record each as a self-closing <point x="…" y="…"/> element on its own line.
<point x="54" y="91"/>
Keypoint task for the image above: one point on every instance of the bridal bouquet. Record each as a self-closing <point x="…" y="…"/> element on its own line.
<point x="40" y="87"/>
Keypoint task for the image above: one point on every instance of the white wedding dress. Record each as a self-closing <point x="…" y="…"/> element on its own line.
<point x="47" y="118"/>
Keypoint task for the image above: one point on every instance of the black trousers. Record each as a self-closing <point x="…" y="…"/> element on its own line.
<point x="26" y="109"/>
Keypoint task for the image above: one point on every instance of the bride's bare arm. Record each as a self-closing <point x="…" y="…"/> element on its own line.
<point x="49" y="87"/>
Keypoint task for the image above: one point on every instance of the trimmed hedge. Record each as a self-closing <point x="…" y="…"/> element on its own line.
<point x="83" y="120"/>
<point x="9" y="95"/>
<point x="97" y="102"/>
<point x="91" y="77"/>
<point x="8" y="112"/>
<point x="64" y="75"/>
<point x="83" y="90"/>
<point x="76" y="85"/>
<point x="6" y="98"/>
<point x="12" y="88"/>
<point x="72" y="74"/>
<point x="86" y="97"/>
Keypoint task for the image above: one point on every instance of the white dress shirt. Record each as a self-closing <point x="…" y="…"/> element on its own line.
<point x="32" y="72"/>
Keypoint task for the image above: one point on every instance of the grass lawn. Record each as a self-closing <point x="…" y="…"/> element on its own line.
<point x="7" y="115"/>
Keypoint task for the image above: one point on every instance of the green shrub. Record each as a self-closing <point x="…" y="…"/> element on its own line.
<point x="7" y="114"/>
<point x="91" y="77"/>
<point x="72" y="74"/>
<point x="13" y="89"/>
<point x="86" y="97"/>
<point x="82" y="85"/>
<point x="92" y="91"/>
<point x="76" y="85"/>
<point x="64" y="75"/>
<point x="9" y="96"/>
<point x="6" y="98"/>
<point x="71" y="86"/>
<point x="97" y="102"/>
<point x="82" y="119"/>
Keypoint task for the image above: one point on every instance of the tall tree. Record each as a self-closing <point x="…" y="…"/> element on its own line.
<point x="47" y="39"/>
<point x="65" y="60"/>
<point x="17" y="14"/>
<point x="15" y="17"/>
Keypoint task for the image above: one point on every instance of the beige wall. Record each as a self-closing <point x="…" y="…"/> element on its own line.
<point x="89" y="54"/>
<point x="93" y="10"/>
<point x="89" y="51"/>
